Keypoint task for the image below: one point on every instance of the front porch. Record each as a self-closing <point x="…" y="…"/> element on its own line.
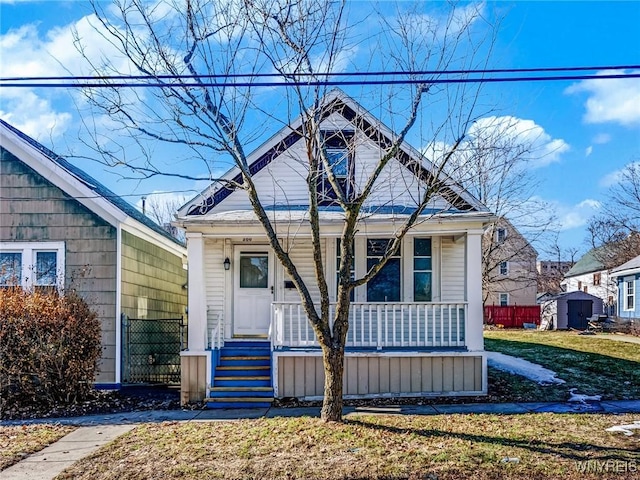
<point x="378" y="326"/>
<point x="392" y="350"/>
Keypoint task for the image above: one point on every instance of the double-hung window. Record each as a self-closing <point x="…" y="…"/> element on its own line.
<point x="501" y="235"/>
<point x="504" y="268"/>
<point x="504" y="299"/>
<point x="37" y="265"/>
<point x="629" y="295"/>
<point x="422" y="270"/>
<point x="385" y="286"/>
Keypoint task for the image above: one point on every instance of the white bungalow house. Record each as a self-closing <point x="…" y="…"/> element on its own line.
<point x="415" y="329"/>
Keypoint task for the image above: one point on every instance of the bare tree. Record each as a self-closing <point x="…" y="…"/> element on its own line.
<point x="497" y="164"/>
<point x="303" y="42"/>
<point x="161" y="208"/>
<point x="558" y="262"/>
<point x="615" y="232"/>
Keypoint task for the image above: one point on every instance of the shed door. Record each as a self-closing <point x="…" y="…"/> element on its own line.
<point x="253" y="290"/>
<point x="579" y="311"/>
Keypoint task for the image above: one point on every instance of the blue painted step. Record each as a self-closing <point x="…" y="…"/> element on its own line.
<point x="243" y="377"/>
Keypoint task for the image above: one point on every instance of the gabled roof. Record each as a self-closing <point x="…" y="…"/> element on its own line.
<point x="632" y="266"/>
<point x="99" y="190"/>
<point x="338" y="102"/>
<point x="587" y="264"/>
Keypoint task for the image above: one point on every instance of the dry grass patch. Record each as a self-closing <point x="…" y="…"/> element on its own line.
<point x="20" y="441"/>
<point x="368" y="447"/>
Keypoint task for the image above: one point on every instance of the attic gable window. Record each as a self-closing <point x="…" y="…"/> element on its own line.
<point x="338" y="146"/>
<point x="501" y="235"/>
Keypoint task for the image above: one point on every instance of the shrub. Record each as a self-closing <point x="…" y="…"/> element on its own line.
<point x="49" y="348"/>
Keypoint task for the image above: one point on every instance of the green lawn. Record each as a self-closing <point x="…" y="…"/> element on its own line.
<point x="546" y="446"/>
<point x="593" y="365"/>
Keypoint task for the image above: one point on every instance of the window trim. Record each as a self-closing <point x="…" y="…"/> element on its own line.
<point x="499" y="231"/>
<point x="414" y="270"/>
<point x="28" y="250"/>
<point x="500" y="299"/>
<point x="335" y="140"/>
<point x="629" y="292"/>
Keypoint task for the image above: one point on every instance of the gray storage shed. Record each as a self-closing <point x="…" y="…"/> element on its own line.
<point x="568" y="310"/>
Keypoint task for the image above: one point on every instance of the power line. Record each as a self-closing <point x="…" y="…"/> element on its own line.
<point x="317" y="83"/>
<point x="324" y="74"/>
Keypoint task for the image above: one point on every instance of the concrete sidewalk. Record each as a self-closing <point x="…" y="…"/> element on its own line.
<point x="98" y="430"/>
<point x="49" y="462"/>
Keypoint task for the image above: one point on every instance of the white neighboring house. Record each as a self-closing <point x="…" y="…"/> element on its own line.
<point x="589" y="275"/>
<point x="415" y="329"/>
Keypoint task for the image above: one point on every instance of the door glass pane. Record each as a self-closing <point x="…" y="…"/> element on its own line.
<point x="254" y="270"/>
<point x="46" y="268"/>
<point x="10" y="268"/>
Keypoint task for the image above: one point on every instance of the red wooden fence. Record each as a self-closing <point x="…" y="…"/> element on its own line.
<point x="511" y="316"/>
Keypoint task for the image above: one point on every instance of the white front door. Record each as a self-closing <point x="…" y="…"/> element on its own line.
<point x="253" y="290"/>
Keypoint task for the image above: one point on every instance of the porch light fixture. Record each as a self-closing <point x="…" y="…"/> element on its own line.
<point x="226" y="263"/>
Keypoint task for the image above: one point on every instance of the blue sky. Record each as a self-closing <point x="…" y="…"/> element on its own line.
<point x="595" y="125"/>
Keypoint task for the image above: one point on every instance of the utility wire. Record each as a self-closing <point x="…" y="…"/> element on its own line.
<point x="317" y="83"/>
<point x="325" y="74"/>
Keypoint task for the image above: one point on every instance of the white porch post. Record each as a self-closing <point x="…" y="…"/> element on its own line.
<point x="474" y="339"/>
<point x="197" y="295"/>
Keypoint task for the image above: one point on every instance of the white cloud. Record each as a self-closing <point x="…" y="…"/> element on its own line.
<point x="27" y="53"/>
<point x="616" y="176"/>
<point x="527" y="136"/>
<point x="614" y="100"/>
<point x="576" y="216"/>
<point x="33" y="115"/>
<point x="588" y="151"/>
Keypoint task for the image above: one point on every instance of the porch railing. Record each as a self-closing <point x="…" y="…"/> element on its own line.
<point x="377" y="325"/>
<point x="215" y="330"/>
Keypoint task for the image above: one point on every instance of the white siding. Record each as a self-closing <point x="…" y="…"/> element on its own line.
<point x="283" y="181"/>
<point x="605" y="290"/>
<point x="302" y="256"/>
<point x="453" y="270"/>
<point x="214" y="276"/>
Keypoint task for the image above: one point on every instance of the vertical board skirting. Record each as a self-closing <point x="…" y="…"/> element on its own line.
<point x="193" y="382"/>
<point x="303" y="376"/>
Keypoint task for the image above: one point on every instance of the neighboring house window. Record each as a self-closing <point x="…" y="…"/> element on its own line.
<point x="336" y="145"/>
<point x="579" y="285"/>
<point x="353" y="267"/>
<point x="504" y="299"/>
<point x="10" y="269"/>
<point x="385" y="286"/>
<point x="501" y="234"/>
<point x="422" y="270"/>
<point x="504" y="268"/>
<point x="585" y="289"/>
<point x="38" y="265"/>
<point x="596" y="279"/>
<point x="629" y="297"/>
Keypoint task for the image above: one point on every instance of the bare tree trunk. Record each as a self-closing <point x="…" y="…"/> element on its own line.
<point x="333" y="360"/>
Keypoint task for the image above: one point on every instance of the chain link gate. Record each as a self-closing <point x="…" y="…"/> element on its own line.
<point x="151" y="349"/>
